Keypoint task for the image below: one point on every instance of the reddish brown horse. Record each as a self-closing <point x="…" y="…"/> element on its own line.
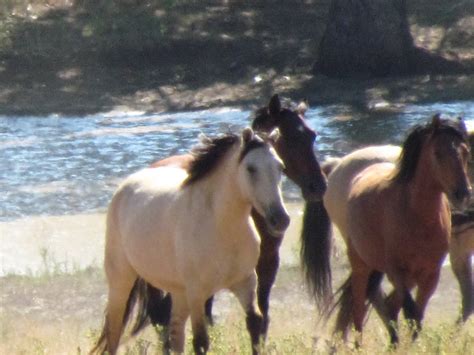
<point x="294" y="144"/>
<point x="395" y="219"/>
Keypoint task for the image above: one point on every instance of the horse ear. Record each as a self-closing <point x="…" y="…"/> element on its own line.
<point x="247" y="135"/>
<point x="274" y="106"/>
<point x="204" y="139"/>
<point x="274" y="135"/>
<point x="302" y="107"/>
<point x="436" y="121"/>
<point x="462" y="124"/>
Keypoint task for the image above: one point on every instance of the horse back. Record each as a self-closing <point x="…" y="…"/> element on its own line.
<point x="342" y="175"/>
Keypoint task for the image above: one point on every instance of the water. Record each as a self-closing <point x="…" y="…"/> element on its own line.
<point x="57" y="174"/>
<point x="57" y="166"/>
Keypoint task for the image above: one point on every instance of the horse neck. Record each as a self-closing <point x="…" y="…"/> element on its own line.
<point x="425" y="194"/>
<point x="224" y="192"/>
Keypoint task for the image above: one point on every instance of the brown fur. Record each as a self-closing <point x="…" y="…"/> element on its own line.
<point x="395" y="219"/>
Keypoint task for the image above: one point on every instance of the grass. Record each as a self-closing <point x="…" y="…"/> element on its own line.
<point x="57" y="312"/>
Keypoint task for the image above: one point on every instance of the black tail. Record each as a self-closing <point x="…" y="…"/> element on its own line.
<point x="316" y="251"/>
<point x="154" y="306"/>
<point x="344" y="301"/>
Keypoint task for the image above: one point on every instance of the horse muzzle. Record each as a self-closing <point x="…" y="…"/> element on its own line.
<point x="277" y="220"/>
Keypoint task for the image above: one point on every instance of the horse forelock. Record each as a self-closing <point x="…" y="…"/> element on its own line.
<point x="262" y="120"/>
<point x="208" y="155"/>
<point x="413" y="144"/>
<point x="254" y="143"/>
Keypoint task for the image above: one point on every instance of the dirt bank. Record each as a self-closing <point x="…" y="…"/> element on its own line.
<point x="57" y="59"/>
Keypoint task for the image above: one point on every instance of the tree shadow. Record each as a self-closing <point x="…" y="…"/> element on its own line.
<point x="70" y="62"/>
<point x="90" y="58"/>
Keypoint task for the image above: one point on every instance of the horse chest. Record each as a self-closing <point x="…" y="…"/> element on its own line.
<point x="422" y="248"/>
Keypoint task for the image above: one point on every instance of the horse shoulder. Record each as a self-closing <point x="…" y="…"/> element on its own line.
<point x="147" y="208"/>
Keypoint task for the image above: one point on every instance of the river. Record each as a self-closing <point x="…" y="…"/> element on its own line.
<point x="55" y="168"/>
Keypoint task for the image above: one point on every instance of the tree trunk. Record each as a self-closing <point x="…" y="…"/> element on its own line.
<point x="372" y="38"/>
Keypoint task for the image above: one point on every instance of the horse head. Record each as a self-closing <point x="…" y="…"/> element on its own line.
<point x="451" y="152"/>
<point x="443" y="144"/>
<point x="259" y="177"/>
<point x="294" y="145"/>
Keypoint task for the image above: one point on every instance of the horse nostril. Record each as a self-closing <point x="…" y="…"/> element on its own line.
<point x="279" y="220"/>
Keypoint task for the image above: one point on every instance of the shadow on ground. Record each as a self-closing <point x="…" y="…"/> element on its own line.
<point x="92" y="57"/>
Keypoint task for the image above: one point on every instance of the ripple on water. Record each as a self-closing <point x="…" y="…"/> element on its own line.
<point x="54" y="165"/>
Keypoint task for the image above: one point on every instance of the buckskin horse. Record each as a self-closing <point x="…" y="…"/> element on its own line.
<point x="294" y="144"/>
<point x="189" y="232"/>
<point x="395" y="219"/>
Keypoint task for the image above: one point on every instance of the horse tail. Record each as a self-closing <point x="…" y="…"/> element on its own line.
<point x="316" y="251"/>
<point x="153" y="306"/>
<point x="344" y="301"/>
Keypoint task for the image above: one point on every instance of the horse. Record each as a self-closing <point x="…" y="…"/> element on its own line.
<point x="293" y="142"/>
<point x="461" y="246"/>
<point x="394" y="216"/>
<point x="461" y="251"/>
<point x="164" y="223"/>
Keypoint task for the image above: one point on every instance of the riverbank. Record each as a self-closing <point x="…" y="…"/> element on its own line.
<point x="62" y="59"/>
<point x="38" y="245"/>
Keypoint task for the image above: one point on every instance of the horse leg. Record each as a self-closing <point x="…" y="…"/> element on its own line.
<point x="426" y="288"/>
<point x="359" y="282"/>
<point x="267" y="268"/>
<point x="121" y="278"/>
<point x="359" y="286"/>
<point x="461" y="265"/>
<point x="196" y="304"/>
<point x="245" y="292"/>
<point x="179" y="315"/>
<point x="393" y="304"/>
<point x="377" y="298"/>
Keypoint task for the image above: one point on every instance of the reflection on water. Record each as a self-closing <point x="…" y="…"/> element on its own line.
<point x="55" y="166"/>
<point x="57" y="173"/>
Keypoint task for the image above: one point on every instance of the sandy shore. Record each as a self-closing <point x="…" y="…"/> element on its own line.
<point x="72" y="242"/>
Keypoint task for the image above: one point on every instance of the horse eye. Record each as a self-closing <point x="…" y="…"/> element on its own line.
<point x="251" y="169"/>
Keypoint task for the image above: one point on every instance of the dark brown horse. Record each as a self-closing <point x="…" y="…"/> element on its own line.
<point x="294" y="144"/>
<point x="395" y="219"/>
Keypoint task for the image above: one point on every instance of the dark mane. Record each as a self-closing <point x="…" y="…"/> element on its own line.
<point x="413" y="144"/>
<point x="210" y="152"/>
